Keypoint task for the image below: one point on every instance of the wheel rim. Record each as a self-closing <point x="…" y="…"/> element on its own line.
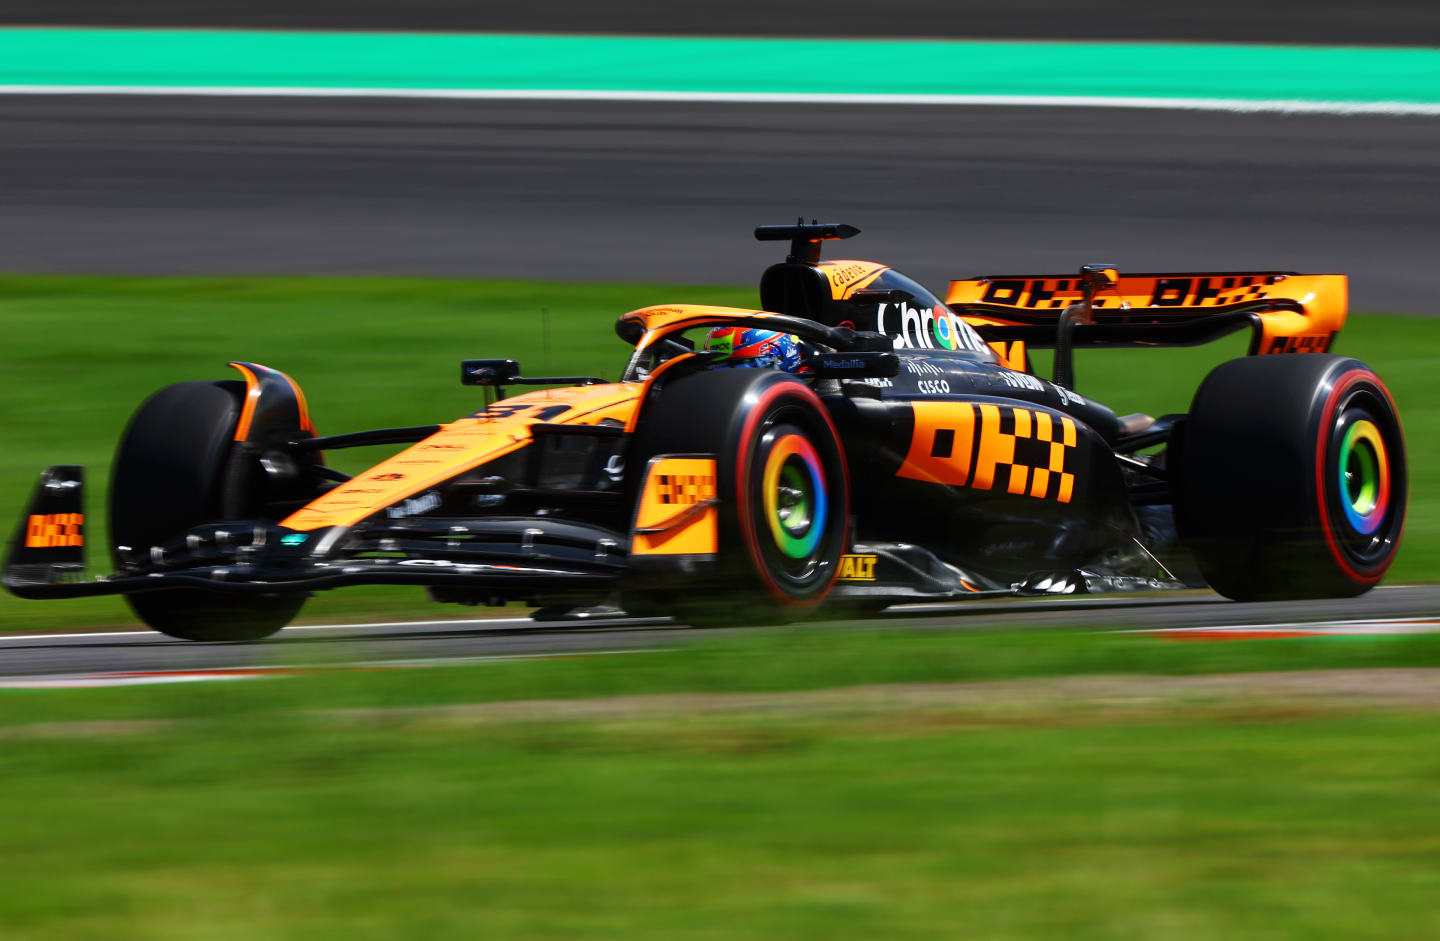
<point x="1364" y="476"/>
<point x="1366" y="489"/>
<point x="796" y="502"/>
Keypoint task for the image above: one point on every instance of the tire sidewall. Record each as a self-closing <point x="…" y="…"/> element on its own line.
<point x="169" y="468"/>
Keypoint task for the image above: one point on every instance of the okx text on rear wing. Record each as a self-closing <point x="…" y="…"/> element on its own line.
<point x="1286" y="312"/>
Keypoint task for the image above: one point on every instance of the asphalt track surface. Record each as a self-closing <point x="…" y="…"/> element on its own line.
<point x="1332" y="22"/>
<point x="427" y="642"/>
<point x="668" y="192"/>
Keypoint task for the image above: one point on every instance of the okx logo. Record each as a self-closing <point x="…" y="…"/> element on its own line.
<point x="685" y="489"/>
<point x="993" y="447"/>
<point x="54" y="530"/>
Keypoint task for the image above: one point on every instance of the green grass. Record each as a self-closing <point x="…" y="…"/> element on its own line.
<point x="81" y="353"/>
<point x="255" y="810"/>
<point x="929" y="825"/>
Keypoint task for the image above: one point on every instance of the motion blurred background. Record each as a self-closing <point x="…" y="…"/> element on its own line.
<point x="625" y="191"/>
<point x="185" y="183"/>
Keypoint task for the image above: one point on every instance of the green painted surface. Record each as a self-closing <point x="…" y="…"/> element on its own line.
<point x="385" y="60"/>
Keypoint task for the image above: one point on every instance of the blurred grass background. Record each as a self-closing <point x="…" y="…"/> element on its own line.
<point x="82" y="352"/>
<point x="329" y="806"/>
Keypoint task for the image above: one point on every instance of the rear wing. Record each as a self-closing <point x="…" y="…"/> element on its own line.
<point x="1285" y="311"/>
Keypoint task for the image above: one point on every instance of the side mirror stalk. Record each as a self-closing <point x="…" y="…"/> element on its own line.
<point x="1093" y="279"/>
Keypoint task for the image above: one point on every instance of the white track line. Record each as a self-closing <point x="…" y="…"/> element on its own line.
<point x="99" y="681"/>
<point x="1359" y="626"/>
<point x="1238" y="105"/>
<point x="477" y="623"/>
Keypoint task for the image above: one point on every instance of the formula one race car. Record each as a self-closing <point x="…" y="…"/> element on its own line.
<point x="906" y="453"/>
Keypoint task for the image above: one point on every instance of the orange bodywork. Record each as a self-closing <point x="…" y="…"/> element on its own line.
<point x="252" y="399"/>
<point x="1157" y="297"/>
<point x="1011" y="353"/>
<point x="461" y="446"/>
<point x="671" y="318"/>
<point x="676" y="514"/>
<point x="847" y="276"/>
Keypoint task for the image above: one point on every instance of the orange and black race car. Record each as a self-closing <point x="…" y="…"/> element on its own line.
<point x="912" y="456"/>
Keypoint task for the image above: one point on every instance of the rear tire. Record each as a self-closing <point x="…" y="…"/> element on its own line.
<point x="168" y="477"/>
<point x="782" y="484"/>
<point x="1292" y="478"/>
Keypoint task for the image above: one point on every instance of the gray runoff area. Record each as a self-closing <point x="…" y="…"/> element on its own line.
<point x="1334" y="22"/>
<point x="669" y="192"/>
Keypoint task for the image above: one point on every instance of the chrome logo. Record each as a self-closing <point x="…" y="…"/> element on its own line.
<point x="944" y="330"/>
<point x="920" y="327"/>
<point x="796" y="503"/>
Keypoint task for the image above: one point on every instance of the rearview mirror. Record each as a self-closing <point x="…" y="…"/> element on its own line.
<point x="488" y="372"/>
<point x="1099" y="277"/>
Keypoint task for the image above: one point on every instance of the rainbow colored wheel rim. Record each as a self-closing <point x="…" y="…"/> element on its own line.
<point x="796" y="503"/>
<point x="1364" y="476"/>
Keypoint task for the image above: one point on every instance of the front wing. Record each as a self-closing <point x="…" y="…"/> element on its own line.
<point x="515" y="556"/>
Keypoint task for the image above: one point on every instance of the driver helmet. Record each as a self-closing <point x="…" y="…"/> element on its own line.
<point x="755" y="348"/>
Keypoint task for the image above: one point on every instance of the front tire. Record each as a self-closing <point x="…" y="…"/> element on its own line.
<point x="168" y="476"/>
<point x="782" y="485"/>
<point x="1292" y="478"/>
